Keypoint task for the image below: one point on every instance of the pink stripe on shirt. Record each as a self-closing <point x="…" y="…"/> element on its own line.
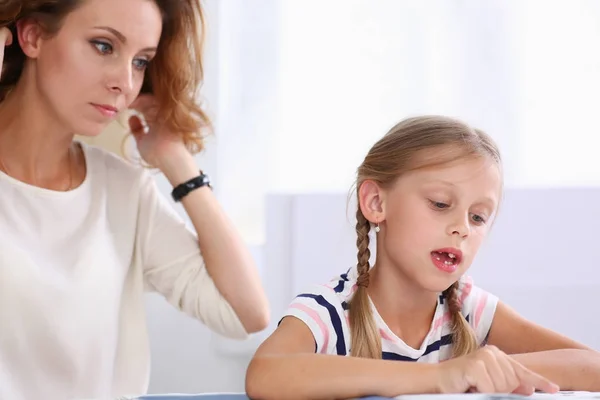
<point x="479" y="309"/>
<point x="385" y="336"/>
<point x="446" y="317"/>
<point x="315" y="316"/>
<point x="466" y="290"/>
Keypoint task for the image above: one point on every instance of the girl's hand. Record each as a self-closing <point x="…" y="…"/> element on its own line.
<point x="489" y="370"/>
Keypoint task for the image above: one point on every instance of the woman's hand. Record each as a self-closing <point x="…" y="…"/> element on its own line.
<point x="156" y="145"/>
<point x="5" y="40"/>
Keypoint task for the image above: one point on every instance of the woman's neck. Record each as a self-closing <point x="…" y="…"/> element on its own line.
<point x="34" y="147"/>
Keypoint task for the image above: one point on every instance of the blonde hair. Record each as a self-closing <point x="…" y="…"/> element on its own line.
<point x="390" y="157"/>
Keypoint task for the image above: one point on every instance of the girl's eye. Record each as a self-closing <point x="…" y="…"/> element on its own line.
<point x="478" y="219"/>
<point x="439" y="205"/>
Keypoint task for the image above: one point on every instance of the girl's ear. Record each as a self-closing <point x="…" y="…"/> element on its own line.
<point x="370" y="197"/>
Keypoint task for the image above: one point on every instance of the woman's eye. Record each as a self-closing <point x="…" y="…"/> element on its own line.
<point x="141" y="63"/>
<point x="102" y="47"/>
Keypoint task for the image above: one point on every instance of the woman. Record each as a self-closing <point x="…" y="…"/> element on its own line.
<point x="83" y="233"/>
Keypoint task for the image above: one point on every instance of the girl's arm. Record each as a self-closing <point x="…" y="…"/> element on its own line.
<point x="571" y="369"/>
<point x="570" y="364"/>
<point x="286" y="367"/>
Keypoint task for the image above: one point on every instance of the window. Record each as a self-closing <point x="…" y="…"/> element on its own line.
<point x="305" y="87"/>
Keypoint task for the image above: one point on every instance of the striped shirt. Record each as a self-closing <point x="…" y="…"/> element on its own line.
<point x="324" y="309"/>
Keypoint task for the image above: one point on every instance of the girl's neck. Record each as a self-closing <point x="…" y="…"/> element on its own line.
<point x="406" y="309"/>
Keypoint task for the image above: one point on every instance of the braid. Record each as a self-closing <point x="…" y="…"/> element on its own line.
<point x="463" y="337"/>
<point x="364" y="253"/>
<point x="366" y="341"/>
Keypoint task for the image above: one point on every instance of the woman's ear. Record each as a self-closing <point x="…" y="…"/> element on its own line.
<point x="370" y="197"/>
<point x="30" y="35"/>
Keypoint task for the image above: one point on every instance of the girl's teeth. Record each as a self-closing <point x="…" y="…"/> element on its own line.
<point x="447" y="262"/>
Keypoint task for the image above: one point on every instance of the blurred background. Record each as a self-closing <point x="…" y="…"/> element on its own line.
<point x="300" y="89"/>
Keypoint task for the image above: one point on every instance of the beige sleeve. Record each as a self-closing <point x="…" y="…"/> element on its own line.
<point x="174" y="267"/>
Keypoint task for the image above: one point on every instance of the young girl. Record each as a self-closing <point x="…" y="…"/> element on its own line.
<point x="429" y="190"/>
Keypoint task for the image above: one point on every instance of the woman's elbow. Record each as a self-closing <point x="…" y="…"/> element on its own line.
<point x="257" y="321"/>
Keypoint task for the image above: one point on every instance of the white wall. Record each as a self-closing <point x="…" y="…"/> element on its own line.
<point x="298" y="80"/>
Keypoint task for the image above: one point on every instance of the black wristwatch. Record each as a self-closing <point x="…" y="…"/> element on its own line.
<point x="180" y="191"/>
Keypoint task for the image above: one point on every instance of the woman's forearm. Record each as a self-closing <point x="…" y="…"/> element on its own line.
<point x="227" y="259"/>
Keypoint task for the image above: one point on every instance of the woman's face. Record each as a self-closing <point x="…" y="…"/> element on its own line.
<point x="94" y="67"/>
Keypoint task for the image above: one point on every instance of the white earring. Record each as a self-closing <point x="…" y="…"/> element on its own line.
<point x="141" y="117"/>
<point x="377" y="228"/>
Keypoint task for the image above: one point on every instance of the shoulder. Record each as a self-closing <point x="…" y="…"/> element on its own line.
<point x="469" y="294"/>
<point x="465" y="289"/>
<point x="478" y="306"/>
<point x="339" y="290"/>
<point x="321" y="297"/>
<point x="116" y="170"/>
<point x="323" y="308"/>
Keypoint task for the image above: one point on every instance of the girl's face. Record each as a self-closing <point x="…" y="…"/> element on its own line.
<point x="435" y="219"/>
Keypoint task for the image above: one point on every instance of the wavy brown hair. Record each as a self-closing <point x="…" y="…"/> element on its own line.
<point x="174" y="76"/>
<point x="393" y="155"/>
